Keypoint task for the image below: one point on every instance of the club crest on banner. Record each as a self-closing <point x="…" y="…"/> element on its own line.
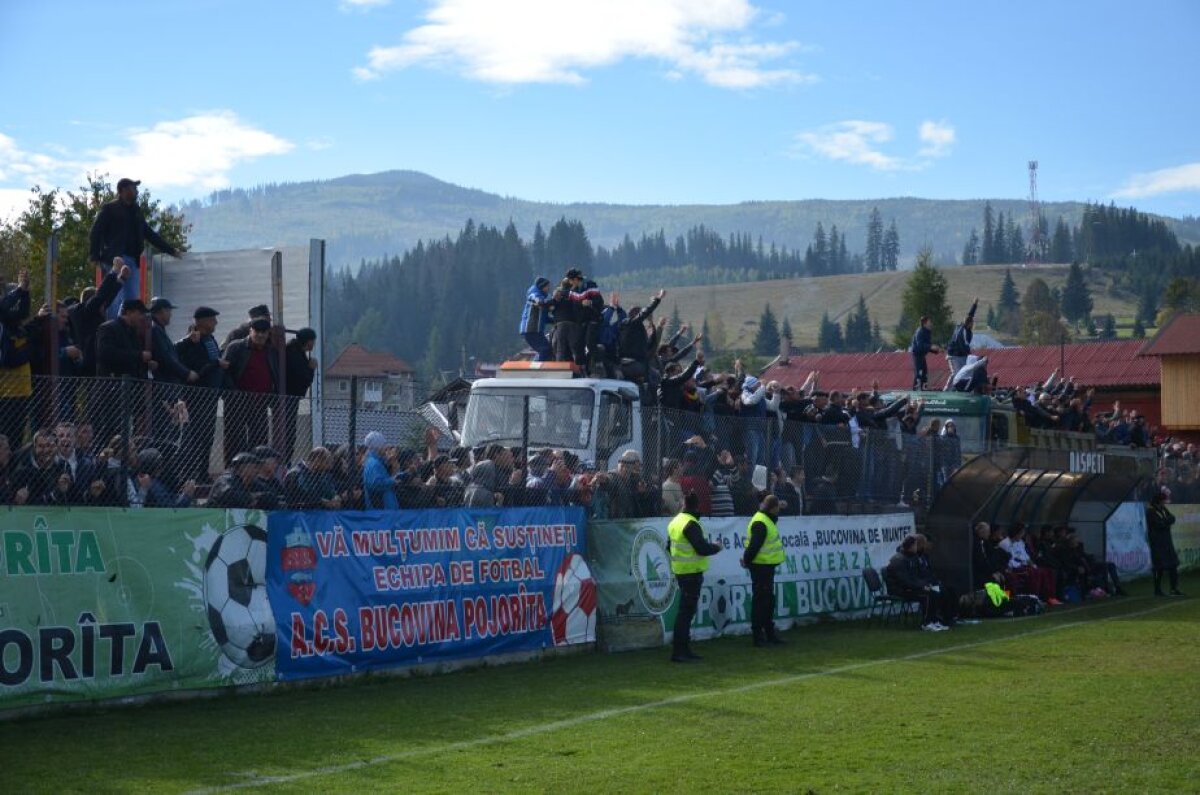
<point x="650" y="565"/>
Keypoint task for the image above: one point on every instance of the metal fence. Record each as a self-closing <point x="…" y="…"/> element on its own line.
<point x="139" y="442"/>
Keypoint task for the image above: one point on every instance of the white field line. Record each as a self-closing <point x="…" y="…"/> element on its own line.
<point x="683" y="698"/>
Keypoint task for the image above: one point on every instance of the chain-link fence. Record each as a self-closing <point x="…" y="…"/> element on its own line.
<point x="139" y="442"/>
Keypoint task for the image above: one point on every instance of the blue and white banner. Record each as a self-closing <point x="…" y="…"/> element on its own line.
<point x="356" y="591"/>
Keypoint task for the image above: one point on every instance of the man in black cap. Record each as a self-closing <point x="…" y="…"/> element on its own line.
<point x="299" y="370"/>
<point x="119" y="234"/>
<point x="120" y="354"/>
<point x="243" y="331"/>
<point x="251" y="377"/>
<point x="198" y="351"/>
<point x="232" y="489"/>
<point x="171" y="373"/>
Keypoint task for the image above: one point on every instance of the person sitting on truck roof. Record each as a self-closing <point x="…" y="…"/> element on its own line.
<point x="959" y="346"/>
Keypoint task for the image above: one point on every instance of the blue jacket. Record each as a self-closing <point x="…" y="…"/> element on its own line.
<point x="922" y="341"/>
<point x="610" y="328"/>
<point x="378" y="487"/>
<point x="533" y="317"/>
<point x="960" y="342"/>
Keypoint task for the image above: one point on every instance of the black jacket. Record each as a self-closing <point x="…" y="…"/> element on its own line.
<point x="906" y="573"/>
<point x="228" y="492"/>
<point x="922" y="341"/>
<point x="298" y="376"/>
<point x="202" y="359"/>
<point x="670" y="389"/>
<point x="85" y="318"/>
<point x="960" y="341"/>
<point x="170" y="369"/>
<point x="119" y="350"/>
<point x="120" y="230"/>
<point x="635" y="344"/>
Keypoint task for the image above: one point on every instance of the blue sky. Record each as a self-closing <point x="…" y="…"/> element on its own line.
<point x="639" y="101"/>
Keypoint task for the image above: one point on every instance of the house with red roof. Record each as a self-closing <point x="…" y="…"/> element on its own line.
<point x="1115" y="369"/>
<point x="384" y="381"/>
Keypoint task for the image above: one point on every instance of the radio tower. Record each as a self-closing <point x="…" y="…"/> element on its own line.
<point x="1036" y="240"/>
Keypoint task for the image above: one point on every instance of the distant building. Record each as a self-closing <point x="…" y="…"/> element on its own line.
<point x="385" y="382"/>
<point x="1177" y="347"/>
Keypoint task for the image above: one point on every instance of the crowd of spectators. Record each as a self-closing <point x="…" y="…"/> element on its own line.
<point x="130" y="417"/>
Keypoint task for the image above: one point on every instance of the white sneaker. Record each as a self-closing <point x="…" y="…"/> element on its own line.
<point x="932" y="627"/>
<point x="939" y="627"/>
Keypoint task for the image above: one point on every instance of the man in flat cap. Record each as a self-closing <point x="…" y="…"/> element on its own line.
<point x="120" y="354"/>
<point x="243" y="330"/>
<point x="198" y="351"/>
<point x="251" y="378"/>
<point x="118" y="236"/>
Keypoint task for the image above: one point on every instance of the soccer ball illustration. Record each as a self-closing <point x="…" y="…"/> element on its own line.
<point x="719" y="607"/>
<point x="573" y="619"/>
<point x="235" y="592"/>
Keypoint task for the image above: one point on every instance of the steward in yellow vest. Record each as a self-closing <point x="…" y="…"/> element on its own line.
<point x="689" y="551"/>
<point x="764" y="553"/>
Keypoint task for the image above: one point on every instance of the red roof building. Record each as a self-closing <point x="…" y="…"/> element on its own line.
<point x="384" y="381"/>
<point x="1114" y="368"/>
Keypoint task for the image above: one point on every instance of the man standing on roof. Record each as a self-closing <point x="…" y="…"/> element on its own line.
<point x="922" y="345"/>
<point x="689" y="551"/>
<point x="959" y="347"/>
<point x="120" y="230"/>
<point x="533" y="319"/>
<point x="764" y="553"/>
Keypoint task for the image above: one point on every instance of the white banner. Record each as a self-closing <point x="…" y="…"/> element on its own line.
<point x="1126" y="545"/>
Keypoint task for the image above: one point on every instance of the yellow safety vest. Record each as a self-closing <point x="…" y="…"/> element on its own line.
<point x="684" y="559"/>
<point x="771" y="552"/>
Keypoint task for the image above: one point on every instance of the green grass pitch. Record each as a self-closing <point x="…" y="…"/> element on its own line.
<point x="1103" y="698"/>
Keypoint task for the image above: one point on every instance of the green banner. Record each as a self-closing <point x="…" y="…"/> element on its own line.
<point x="1186" y="535"/>
<point x="821" y="574"/>
<point x="110" y="603"/>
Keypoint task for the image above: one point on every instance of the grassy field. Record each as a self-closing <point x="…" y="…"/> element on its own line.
<point x="1102" y="698"/>
<point x="803" y="301"/>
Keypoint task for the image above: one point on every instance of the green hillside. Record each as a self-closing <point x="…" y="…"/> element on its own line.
<point x="803" y="301"/>
<point x="367" y="216"/>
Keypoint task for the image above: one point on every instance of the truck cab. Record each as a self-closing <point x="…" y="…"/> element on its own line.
<point x="542" y="406"/>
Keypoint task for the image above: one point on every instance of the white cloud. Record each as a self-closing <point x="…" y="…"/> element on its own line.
<point x="862" y="143"/>
<point x="938" y="137"/>
<point x="197" y="152"/>
<point x="853" y="142"/>
<point x="558" y="41"/>
<point x="362" y="5"/>
<point x="1177" y="179"/>
<point x="13" y="202"/>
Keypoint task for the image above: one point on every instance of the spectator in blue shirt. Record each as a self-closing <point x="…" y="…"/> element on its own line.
<point x="533" y="319"/>
<point x="379" y="488"/>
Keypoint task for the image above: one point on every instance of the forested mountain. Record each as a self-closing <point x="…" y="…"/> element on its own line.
<point x="370" y="216"/>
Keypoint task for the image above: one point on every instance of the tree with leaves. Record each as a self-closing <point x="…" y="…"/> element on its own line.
<point x="1181" y="295"/>
<point x="1043" y="328"/>
<point x="1076" y="298"/>
<point x="924" y="294"/>
<point x="1039" y="298"/>
<point x="766" y="341"/>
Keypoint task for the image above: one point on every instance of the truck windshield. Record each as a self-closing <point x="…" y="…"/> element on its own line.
<point x="558" y="418"/>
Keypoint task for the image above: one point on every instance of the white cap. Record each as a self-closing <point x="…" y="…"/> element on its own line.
<point x="375" y="441"/>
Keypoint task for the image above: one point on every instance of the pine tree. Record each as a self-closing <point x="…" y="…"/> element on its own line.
<point x="706" y="339"/>
<point x="537" y="250"/>
<point x="989" y="236"/>
<point x="857" y="336"/>
<point x="834" y="241"/>
<point x="1139" y="330"/>
<point x="1016" y="243"/>
<point x="924" y="294"/>
<point x="970" y="254"/>
<point x="891" y="248"/>
<point x="1076" y="298"/>
<point x="876" y="336"/>
<point x="1147" y="305"/>
<point x="991" y="317"/>
<point x="829" y="338"/>
<point x="785" y="330"/>
<point x="874" y="258"/>
<point x="766" y="341"/>
<point x="1000" y="239"/>
<point x="1108" y="328"/>
<point x="1039" y="298"/>
<point x="1009" y="300"/>
<point x="673" y="324"/>
<point x="1060" y="244"/>
<point x="820" y="251"/>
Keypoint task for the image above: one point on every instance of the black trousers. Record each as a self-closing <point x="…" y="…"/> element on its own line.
<point x="568" y="342"/>
<point x="762" y="600"/>
<point x="920" y="372"/>
<point x="689" y="599"/>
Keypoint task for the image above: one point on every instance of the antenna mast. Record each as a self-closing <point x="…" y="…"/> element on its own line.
<point x="1036" y="238"/>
